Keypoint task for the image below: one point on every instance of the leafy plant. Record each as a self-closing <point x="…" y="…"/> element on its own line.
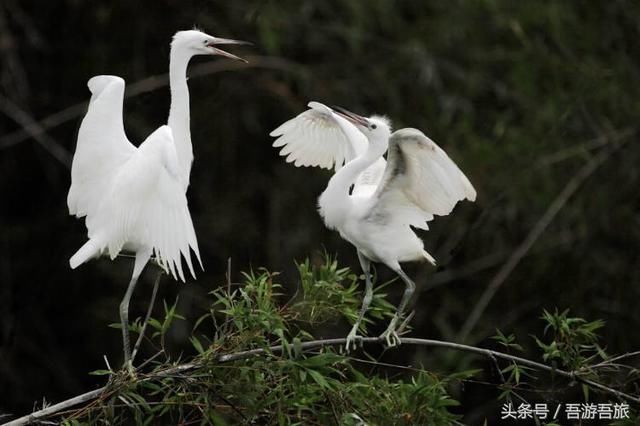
<point x="285" y="387"/>
<point x="574" y="342"/>
<point x="253" y="363"/>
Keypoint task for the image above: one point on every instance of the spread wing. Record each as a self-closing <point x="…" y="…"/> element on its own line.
<point x="102" y="146"/>
<point x="420" y="181"/>
<point x="129" y="195"/>
<point x="146" y="204"/>
<point x="319" y="137"/>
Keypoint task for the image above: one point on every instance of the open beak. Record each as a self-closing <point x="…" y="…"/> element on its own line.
<point x="215" y="51"/>
<point x="356" y="119"/>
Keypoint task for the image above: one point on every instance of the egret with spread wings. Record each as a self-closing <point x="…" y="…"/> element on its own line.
<point x="371" y="202"/>
<point x="135" y="198"/>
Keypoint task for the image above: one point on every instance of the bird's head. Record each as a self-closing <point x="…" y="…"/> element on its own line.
<point x="195" y="42"/>
<point x="374" y="128"/>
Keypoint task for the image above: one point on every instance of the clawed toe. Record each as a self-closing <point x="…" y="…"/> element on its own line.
<point x="129" y="368"/>
<point x="391" y="338"/>
<point x="352" y="342"/>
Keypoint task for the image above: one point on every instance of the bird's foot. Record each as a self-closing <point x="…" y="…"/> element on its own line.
<point x="352" y="341"/>
<point x="404" y="326"/>
<point x="390" y="337"/>
<point x="129" y="369"/>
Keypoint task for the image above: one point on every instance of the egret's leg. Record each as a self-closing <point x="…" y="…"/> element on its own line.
<point x="368" y="295"/>
<point x="156" y="284"/>
<point x="142" y="257"/>
<point x="391" y="335"/>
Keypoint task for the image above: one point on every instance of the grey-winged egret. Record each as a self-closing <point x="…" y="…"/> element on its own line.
<point x="135" y="198"/>
<point x="371" y="202"/>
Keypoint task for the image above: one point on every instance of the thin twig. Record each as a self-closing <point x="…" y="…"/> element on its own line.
<point x="473" y="267"/>
<point x="145" y="85"/>
<point x="315" y="344"/>
<point x="156" y="284"/>
<point x="582" y="148"/>
<point x="616" y="358"/>
<point x="53" y="409"/>
<point x="35" y="130"/>
<point x="106" y="361"/>
<point x="151" y="358"/>
<point x="558" y="203"/>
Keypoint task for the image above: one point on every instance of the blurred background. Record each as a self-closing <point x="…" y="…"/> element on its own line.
<point x="537" y="102"/>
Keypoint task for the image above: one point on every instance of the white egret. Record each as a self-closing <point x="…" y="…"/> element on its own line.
<point x="371" y="202"/>
<point x="134" y="198"/>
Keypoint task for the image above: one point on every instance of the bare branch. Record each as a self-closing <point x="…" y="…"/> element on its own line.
<point x="148" y="84"/>
<point x="45" y="412"/>
<point x="34" y="130"/>
<point x="315" y="344"/>
<point x="473" y="267"/>
<point x="582" y="148"/>
<point x="558" y="203"/>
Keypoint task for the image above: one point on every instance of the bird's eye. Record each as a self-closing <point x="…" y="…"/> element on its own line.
<point x="373" y="126"/>
<point x="205" y="42"/>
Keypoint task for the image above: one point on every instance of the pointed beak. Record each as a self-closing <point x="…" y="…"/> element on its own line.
<point x="215" y="51"/>
<point x="356" y="119"/>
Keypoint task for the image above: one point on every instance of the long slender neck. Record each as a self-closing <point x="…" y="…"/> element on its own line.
<point x="335" y="201"/>
<point x="366" y="151"/>
<point x="341" y="182"/>
<point x="179" y="112"/>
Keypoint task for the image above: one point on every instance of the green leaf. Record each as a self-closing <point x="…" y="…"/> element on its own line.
<point x="319" y="379"/>
<point x="100" y="372"/>
<point x="196" y="344"/>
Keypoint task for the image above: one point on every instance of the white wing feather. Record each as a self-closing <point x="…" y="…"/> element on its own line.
<point x="146" y="205"/>
<point x="319" y="137"/>
<point x="102" y="146"/>
<point x="130" y="196"/>
<point x="420" y="181"/>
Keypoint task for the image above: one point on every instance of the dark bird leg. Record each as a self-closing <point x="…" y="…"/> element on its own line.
<point x="391" y="334"/>
<point x="368" y="295"/>
<point x="142" y="257"/>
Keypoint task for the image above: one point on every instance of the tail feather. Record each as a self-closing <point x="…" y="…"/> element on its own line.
<point x="89" y="250"/>
<point x="429" y="257"/>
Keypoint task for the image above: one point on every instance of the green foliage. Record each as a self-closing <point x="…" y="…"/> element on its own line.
<point x="286" y="386"/>
<point x="252" y="308"/>
<point x="519" y="93"/>
<point x="570" y="344"/>
<point x="251" y="365"/>
<point x="508" y="342"/>
<point x="574" y="342"/>
<point x="329" y="292"/>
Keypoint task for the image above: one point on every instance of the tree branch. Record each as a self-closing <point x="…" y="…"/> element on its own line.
<point x="35" y="129"/>
<point x="558" y="203"/>
<point x="315" y="344"/>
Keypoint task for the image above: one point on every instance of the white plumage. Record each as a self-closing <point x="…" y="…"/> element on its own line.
<point x="135" y="198"/>
<point x="317" y="137"/>
<point x="420" y="181"/>
<point x="129" y="195"/>
<point x="373" y="203"/>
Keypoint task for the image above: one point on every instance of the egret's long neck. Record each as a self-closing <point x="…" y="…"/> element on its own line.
<point x="341" y="182"/>
<point x="179" y="112"/>
<point x="335" y="200"/>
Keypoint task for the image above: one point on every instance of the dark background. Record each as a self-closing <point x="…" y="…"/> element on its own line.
<point x="522" y="95"/>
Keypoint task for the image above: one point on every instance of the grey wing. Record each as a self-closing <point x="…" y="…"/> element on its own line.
<point x="420" y="181"/>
